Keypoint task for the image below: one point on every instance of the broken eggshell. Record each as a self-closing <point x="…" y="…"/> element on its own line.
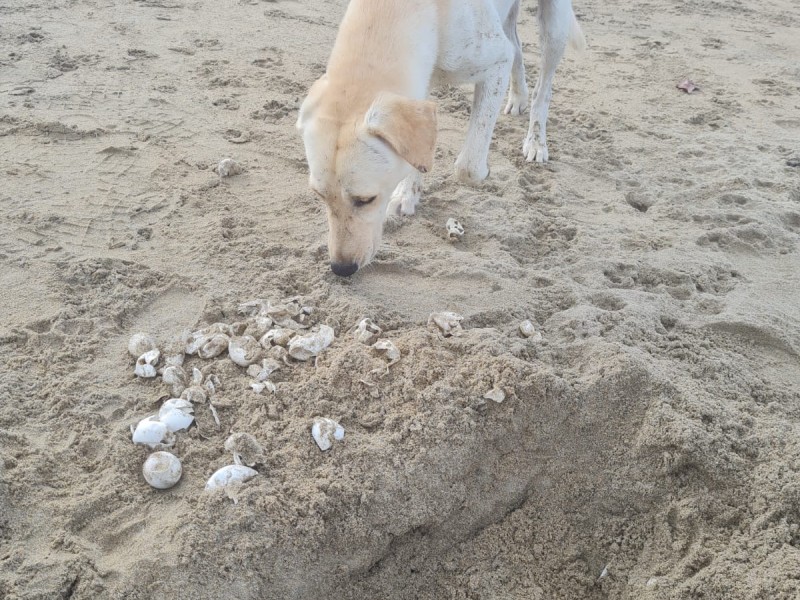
<point x="495" y="394"/>
<point x="244" y="350"/>
<point x="264" y="370"/>
<point x="146" y="364"/>
<point x="527" y="329"/>
<point x="213" y="345"/>
<point x="311" y="344"/>
<point x="195" y="394"/>
<point x="176" y="414"/>
<point x="455" y="230"/>
<point x="324" y="431"/>
<point x="162" y="470"/>
<point x="387" y="349"/>
<point x="151" y="432"/>
<point x="176" y="377"/>
<point x="230" y="475"/>
<point x="280" y="336"/>
<point x="367" y="332"/>
<point x="449" y="323"/>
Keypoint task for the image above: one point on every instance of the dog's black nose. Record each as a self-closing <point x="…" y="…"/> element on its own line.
<point x="344" y="270"/>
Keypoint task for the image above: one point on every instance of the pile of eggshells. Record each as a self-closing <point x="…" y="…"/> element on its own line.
<point x="268" y="337"/>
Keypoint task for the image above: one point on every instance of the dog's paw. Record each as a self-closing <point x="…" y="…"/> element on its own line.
<point x="517" y="103"/>
<point x="470" y="174"/>
<point x="405" y="198"/>
<point x="534" y="151"/>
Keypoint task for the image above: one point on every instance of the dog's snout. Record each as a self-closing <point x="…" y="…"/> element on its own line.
<point x="344" y="269"/>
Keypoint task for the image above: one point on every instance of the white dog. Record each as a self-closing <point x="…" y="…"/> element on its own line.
<point x="368" y="128"/>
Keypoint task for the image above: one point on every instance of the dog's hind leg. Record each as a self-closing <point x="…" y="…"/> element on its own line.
<point x="557" y="26"/>
<point x="406" y="195"/>
<point x="518" y="90"/>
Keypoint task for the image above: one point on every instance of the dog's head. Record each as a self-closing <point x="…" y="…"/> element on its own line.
<point x="356" y="157"/>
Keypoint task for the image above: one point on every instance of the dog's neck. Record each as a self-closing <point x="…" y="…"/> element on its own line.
<point x="381" y="47"/>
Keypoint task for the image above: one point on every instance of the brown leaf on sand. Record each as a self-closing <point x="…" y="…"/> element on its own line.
<point x="688" y="86"/>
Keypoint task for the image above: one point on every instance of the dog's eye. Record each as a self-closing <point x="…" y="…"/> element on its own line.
<point x="363" y="201"/>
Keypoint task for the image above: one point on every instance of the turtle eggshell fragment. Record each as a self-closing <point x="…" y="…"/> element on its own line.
<point x="367" y="332"/>
<point x="176" y="414"/>
<point x="449" y="323"/>
<point x="162" y="470"/>
<point x="526" y="328"/>
<point x="195" y="394"/>
<point x="244" y="350"/>
<point x="258" y="326"/>
<point x="228" y="167"/>
<point x="141" y="343"/>
<point x="213" y="345"/>
<point x="455" y="230"/>
<point x="324" y="431"/>
<point x="388" y="349"/>
<point x="146" y="364"/>
<point x="150" y="431"/>
<point x="280" y="336"/>
<point x="311" y="344"/>
<point x="230" y="475"/>
<point x="260" y="372"/>
<point x="174" y="374"/>
<point x="495" y="394"/>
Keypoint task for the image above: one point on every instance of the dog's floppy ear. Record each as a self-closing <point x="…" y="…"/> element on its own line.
<point x="408" y="126"/>
<point x="311" y="101"/>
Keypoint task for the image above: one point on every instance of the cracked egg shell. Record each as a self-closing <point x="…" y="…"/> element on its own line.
<point x="244" y="350"/>
<point x="324" y="431"/>
<point x="311" y="344"/>
<point x="230" y="475"/>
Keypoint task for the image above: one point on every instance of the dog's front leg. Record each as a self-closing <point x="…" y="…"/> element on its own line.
<point x="472" y="163"/>
<point x="406" y="195"/>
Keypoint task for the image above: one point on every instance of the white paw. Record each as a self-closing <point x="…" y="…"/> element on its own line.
<point x="534" y="151"/>
<point x="403" y="202"/>
<point x="517" y="103"/>
<point x="470" y="174"/>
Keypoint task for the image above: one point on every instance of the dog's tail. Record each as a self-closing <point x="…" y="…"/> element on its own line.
<point x="576" y="40"/>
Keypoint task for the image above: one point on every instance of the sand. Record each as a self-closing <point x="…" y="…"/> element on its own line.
<point x="648" y="446"/>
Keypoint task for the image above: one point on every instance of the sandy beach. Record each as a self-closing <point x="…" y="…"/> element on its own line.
<point x="648" y="443"/>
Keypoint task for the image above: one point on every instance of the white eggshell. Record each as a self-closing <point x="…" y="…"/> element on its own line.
<point x="388" y="349"/>
<point x="455" y="230"/>
<point x="526" y="328"/>
<point x="367" y="332"/>
<point x="323" y="430"/>
<point x="140" y="343"/>
<point x="232" y="474"/>
<point x="495" y="394"/>
<point x="214" y="345"/>
<point x="311" y="344"/>
<point x="176" y="404"/>
<point x="144" y="371"/>
<point x="146" y="364"/>
<point x="176" y="419"/>
<point x="244" y="350"/>
<point x="174" y="374"/>
<point x="162" y="470"/>
<point x="150" y="431"/>
<point x="449" y="323"/>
